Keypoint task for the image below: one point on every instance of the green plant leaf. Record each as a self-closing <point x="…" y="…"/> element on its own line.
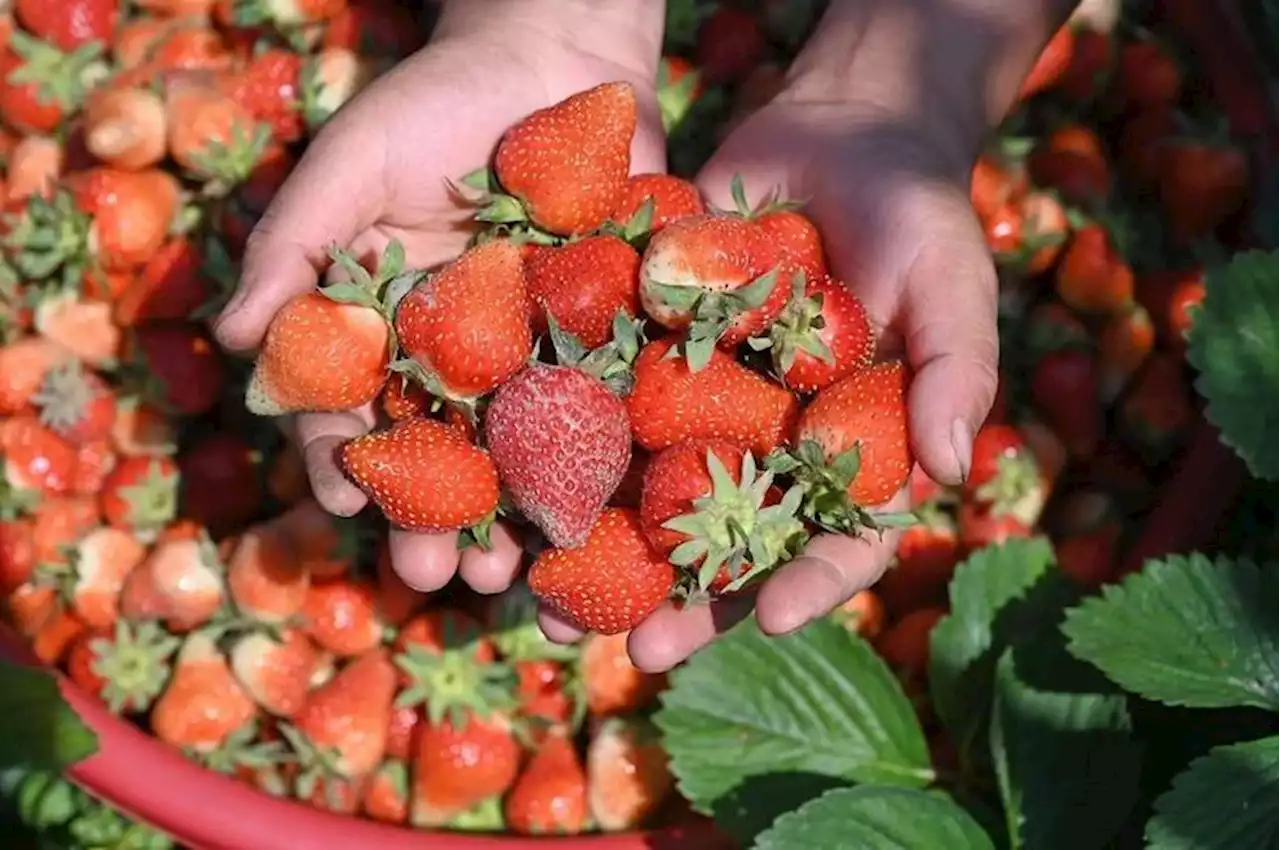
<point x="1233" y="344"/>
<point x="994" y="594"/>
<point x="1185" y="631"/>
<point x="1226" y="800"/>
<point x="1065" y="762"/>
<point x="818" y="703"/>
<point x="41" y="731"/>
<point x="876" y="819"/>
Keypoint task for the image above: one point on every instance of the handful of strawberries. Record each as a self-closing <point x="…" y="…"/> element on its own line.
<point x="707" y="401"/>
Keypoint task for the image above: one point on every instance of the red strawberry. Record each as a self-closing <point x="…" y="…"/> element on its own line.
<point x="610" y="583"/>
<point x="550" y="796"/>
<point x="184" y="369"/>
<point x="81" y="325"/>
<point x="1157" y="411"/>
<point x="927" y="555"/>
<point x="1004" y="471"/>
<point x="1092" y="62"/>
<point x="672" y="404"/>
<point x="101" y="563"/>
<point x="24" y="364"/>
<point x="266" y="578"/>
<point x="1064" y="385"/>
<point x="794" y="238"/>
<point x="905" y="644"/>
<point x="468" y="326"/>
<point x="561" y="442"/>
<point x="460" y="763"/>
<point x="863" y="613"/>
<point x="986" y="525"/>
<point x="652" y="201"/>
<point x="1147" y="76"/>
<point x="1124" y="343"/>
<point x="269" y="89"/>
<point x="627" y="774"/>
<point x="76" y="403"/>
<point x="17" y="554"/>
<point x="615" y="686"/>
<point x="57" y="524"/>
<point x="203" y="704"/>
<point x="36" y="462"/>
<point x="69" y="25"/>
<point x="402" y="399"/>
<point x="1051" y="64"/>
<point x="386" y="793"/>
<point x="822" y="336"/>
<point x="40" y="85"/>
<point x="730" y="44"/>
<point x="583" y="286"/>
<point x="1092" y="276"/>
<point x="341" y="730"/>
<point x="714" y="274"/>
<point x="680" y="86"/>
<point x="180" y="582"/>
<point x="142" y="430"/>
<point x="1201" y="186"/>
<point x="221" y="486"/>
<point x="567" y="164"/>
<point x="171" y="286"/>
<point x="423" y="476"/>
<point x="995" y="182"/>
<point x="141" y="494"/>
<point x="125" y="667"/>
<point x="283" y="13"/>
<point x="1071" y="160"/>
<point x="1032" y="236"/>
<point x="445" y="660"/>
<point x="402" y="731"/>
<point x="342" y="616"/>
<point x="130" y="212"/>
<point x="541" y="690"/>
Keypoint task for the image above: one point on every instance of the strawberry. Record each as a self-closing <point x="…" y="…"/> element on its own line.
<point x="327" y="545"/>
<point x="550" y="796"/>
<point x="1071" y="160"/>
<point x="1202" y="184"/>
<point x="704" y="507"/>
<point x="82" y="326"/>
<point x="863" y="613"/>
<point x="130" y="211"/>
<point x="386" y="793"/>
<point x="1092" y="63"/>
<point x="567" y="165"/>
<point x="1156" y="413"/>
<point x="24" y="364"/>
<point x="124" y="126"/>
<point x="1033" y="236"/>
<point x="402" y="731"/>
<point x="1124" y="343"/>
<point x="649" y="202"/>
<point x="141" y="430"/>
<point x="181" y="582"/>
<point x="1147" y="76"/>
<point x="126" y="667"/>
<point x="1092" y="276"/>
<point x="794" y="238"/>
<point x="1169" y="295"/>
<point x="33" y="167"/>
<point x="374" y="26"/>
<point x="923" y="490"/>
<point x="1004" y="470"/>
<point x="446" y="662"/>
<point x="729" y="45"/>
<point x="1064" y="385"/>
<point x="403" y="399"/>
<point x="17" y="554"/>
<point x="926" y="557"/>
<point x="561" y="442"/>
<point x="341" y="729"/>
<point x="36" y="461"/>
<point x="331" y="78"/>
<point x="341" y="616"/>
<point x="905" y="645"/>
<point x="171" y="286"/>
<point x="57" y="524"/>
<point x="986" y="525"/>
<point x="76" y="403"/>
<point x="680" y="87"/>
<point x="610" y="583"/>
<point x="182" y="367"/>
<point x="140" y="494"/>
<point x="822" y="336"/>
<point x="220" y="482"/>
<point x="203" y="704"/>
<point x="613" y="685"/>
<point x="542" y="690"/>
<point x="101" y="563"/>
<point x="269" y="89"/>
<point x="284" y="13"/>
<point x="859" y="428"/>
<point x="267" y="580"/>
<point x="460" y="763"/>
<point x="55" y="636"/>
<point x="328" y="349"/>
<point x="996" y="180"/>
<point x="627" y="775"/>
<point x="672" y="404"/>
<point x="583" y="285"/>
<point x="275" y="671"/>
<point x="467" y="326"/>
<point x="40" y="85"/>
<point x="211" y="135"/>
<point x="1050" y="65"/>
<point x="69" y="25"/>
<point x="423" y="476"/>
<point x="715" y="275"/>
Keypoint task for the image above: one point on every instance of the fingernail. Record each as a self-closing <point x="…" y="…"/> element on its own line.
<point x="962" y="445"/>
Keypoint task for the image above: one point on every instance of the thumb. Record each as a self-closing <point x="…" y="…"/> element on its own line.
<point x="331" y="196"/>
<point x="949" y="328"/>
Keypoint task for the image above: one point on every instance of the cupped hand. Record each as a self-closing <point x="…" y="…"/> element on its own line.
<point x="892" y="203"/>
<point x="376" y="173"/>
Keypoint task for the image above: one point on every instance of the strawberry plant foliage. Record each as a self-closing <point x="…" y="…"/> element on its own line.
<point x="41" y="731"/>
<point x="1233" y="345"/>
<point x="1224" y="800"/>
<point x="1186" y="631"/>
<point x="876" y="819"/>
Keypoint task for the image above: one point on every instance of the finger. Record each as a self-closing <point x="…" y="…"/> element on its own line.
<point x="556" y="628"/>
<point x="832" y="568"/>
<point x="760" y="153"/>
<point x="425" y="562"/>
<point x="328" y="199"/>
<point x="674" y="632"/>
<point x="492" y="571"/>
<point x="321" y="435"/>
<point x="949" y="330"/>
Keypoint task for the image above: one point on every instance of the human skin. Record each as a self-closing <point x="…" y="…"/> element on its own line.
<point x="877" y="127"/>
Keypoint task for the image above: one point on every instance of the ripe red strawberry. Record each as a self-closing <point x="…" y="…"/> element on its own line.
<point x="125" y="667"/>
<point x="716" y="275"/>
<point x="402" y="399"/>
<point x="131" y="212"/>
<point x="171" y="286"/>
<point x="183" y="369"/>
<point x="266" y="578"/>
<point x="550" y="796"/>
<point x="671" y="404"/>
<point x="100" y="564"/>
<point x="650" y="202"/>
<point x="905" y="644"/>
<point x="140" y="494"/>
<point x="997" y="179"/>
<point x="1092" y="276"/>
<point x="561" y="442"/>
<point x="460" y="763"/>
<point x="1051" y="64"/>
<point x="423" y="476"/>
<point x="269" y="88"/>
<point x="1092" y="63"/>
<point x="863" y="614"/>
<point x="542" y="693"/>
<point x="76" y="403"/>
<point x="17" y="554"/>
<point x="221" y="486"/>
<point x="341" y="616"/>
<point x="926" y="557"/>
<point x="283" y="13"/>
<point x="1157" y="412"/>
<point x="69" y="25"/>
<point x="583" y="285"/>
<point x="181" y="581"/>
<point x="203" y="704"/>
<point x="1201" y="185"/>
<point x="1064" y="385"/>
<point x="794" y="238"/>
<point x="36" y="462"/>
<point x="57" y="524"/>
<point x="468" y="325"/>
<point x="866" y="411"/>
<point x="983" y="525"/>
<point x="1071" y="160"/>
<point x="822" y="336"/>
<point x="1124" y="344"/>
<point x="730" y="44"/>
<point x="24" y="363"/>
<point x="83" y="326"/>
<point x="614" y="685"/>
<point x="1147" y="76"/>
<point x="1004" y="470"/>
<point x="342" y="728"/>
<point x="386" y="793"/>
<point x="41" y="85"/>
<point x="567" y="164"/>
<point x="627" y="774"/>
<point x="610" y="583"/>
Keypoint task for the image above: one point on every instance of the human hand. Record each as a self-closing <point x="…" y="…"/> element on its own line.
<point x="377" y="173"/>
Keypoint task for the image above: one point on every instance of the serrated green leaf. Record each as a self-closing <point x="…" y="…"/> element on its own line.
<point x="1185" y="631"/>
<point x="41" y="731"/>
<point x="994" y="595"/>
<point x="1233" y="344"/>
<point x="818" y="702"/>
<point x="1226" y="800"/>
<point x="1065" y="762"/>
<point x="876" y="819"/>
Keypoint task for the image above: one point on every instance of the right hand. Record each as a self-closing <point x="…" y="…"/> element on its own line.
<point x="377" y="172"/>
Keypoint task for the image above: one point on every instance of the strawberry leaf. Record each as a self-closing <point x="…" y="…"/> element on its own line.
<point x="1187" y="631"/>
<point x="41" y="731"/>
<point x="876" y="819"/>
<point x="1224" y="800"/>
<point x="809" y="710"/>
<point x="1233" y="344"/>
